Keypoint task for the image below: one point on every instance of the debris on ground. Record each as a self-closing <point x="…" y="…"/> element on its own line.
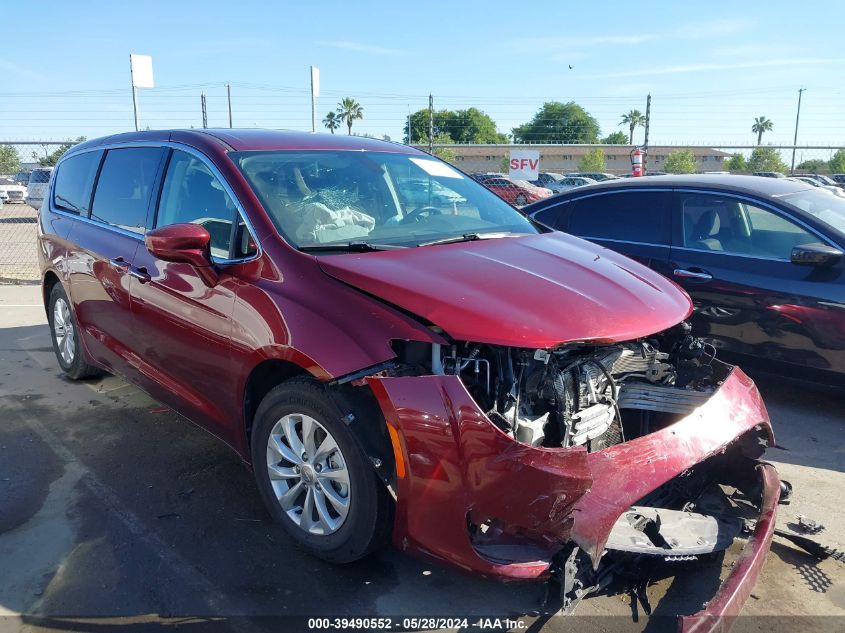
<point x="808" y="526"/>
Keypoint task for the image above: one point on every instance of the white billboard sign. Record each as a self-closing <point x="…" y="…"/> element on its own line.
<point x="142" y="70"/>
<point x="524" y="164"/>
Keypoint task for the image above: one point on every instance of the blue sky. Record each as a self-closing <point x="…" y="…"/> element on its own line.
<point x="710" y="67"/>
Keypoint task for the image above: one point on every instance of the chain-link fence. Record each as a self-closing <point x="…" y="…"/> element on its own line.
<point x="18" y="213"/>
<point x="20" y="163"/>
<point x="18" y="261"/>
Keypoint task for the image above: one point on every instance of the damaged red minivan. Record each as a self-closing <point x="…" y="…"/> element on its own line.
<point x="400" y="354"/>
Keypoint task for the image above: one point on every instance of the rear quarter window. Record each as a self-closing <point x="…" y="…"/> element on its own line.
<point x="124" y="187"/>
<point x="74" y="181"/>
<point x="630" y="216"/>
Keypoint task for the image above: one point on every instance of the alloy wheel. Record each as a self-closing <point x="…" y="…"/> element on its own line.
<point x="64" y="331"/>
<point x="308" y="474"/>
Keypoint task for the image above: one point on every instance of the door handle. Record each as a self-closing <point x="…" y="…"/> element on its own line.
<point x="140" y="274"/>
<point x="119" y="263"/>
<point x="694" y="273"/>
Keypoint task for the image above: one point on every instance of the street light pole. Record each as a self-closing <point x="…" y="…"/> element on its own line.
<point x="795" y="139"/>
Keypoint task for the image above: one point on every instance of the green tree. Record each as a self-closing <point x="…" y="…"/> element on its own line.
<point x="419" y="125"/>
<point x="736" y="162"/>
<point x="681" y="161"/>
<point x="51" y="159"/>
<point x="615" y="138"/>
<point x="462" y="126"/>
<point x="633" y="120"/>
<point x="761" y="124"/>
<point x="837" y="162"/>
<point x="592" y="160"/>
<point x="445" y="153"/>
<point x="559" y="122"/>
<point x="766" y="159"/>
<point x="814" y="166"/>
<point x="349" y="110"/>
<point x="332" y="121"/>
<point x="10" y="162"/>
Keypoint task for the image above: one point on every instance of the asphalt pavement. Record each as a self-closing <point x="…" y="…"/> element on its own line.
<point x="112" y="506"/>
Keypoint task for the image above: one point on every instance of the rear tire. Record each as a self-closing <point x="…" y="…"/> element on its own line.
<point x="65" y="333"/>
<point x="521" y="200"/>
<point x="314" y="477"/>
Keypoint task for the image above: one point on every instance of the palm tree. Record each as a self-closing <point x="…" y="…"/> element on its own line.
<point x="761" y="124"/>
<point x="332" y="121"/>
<point x="348" y="110"/>
<point x="633" y="119"/>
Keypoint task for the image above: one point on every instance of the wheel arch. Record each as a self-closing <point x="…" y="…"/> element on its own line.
<point x="358" y="404"/>
<point x="50" y="280"/>
<point x="263" y="377"/>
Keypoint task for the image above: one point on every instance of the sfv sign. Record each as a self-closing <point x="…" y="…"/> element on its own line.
<point x="524" y="164"/>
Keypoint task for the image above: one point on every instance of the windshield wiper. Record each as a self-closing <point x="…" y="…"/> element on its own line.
<point x="349" y="247"/>
<point x="466" y="237"/>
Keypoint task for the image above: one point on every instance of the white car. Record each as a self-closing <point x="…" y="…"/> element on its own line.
<point x="810" y="180"/>
<point x="10" y="192"/>
<point x="39" y="181"/>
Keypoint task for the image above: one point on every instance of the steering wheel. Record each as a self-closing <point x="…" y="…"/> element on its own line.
<point x="416" y="214"/>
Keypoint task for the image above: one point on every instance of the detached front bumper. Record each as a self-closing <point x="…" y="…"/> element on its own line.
<point x="725" y="606"/>
<point x="456" y="469"/>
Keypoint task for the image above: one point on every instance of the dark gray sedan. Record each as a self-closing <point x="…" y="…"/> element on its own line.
<point x="762" y="259"/>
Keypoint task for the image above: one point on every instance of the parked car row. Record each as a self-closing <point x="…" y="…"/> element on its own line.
<point x="27" y="187"/>
<point x="816" y="182"/>
<point x="522" y="192"/>
<point x="517" y="192"/>
<point x="834" y="180"/>
<point x="559" y="182"/>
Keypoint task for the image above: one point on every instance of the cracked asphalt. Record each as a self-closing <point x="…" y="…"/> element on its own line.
<point x="112" y="506"/>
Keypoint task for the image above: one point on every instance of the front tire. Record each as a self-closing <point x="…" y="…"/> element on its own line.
<point x="314" y="477"/>
<point x="66" y="336"/>
<point x="521" y="200"/>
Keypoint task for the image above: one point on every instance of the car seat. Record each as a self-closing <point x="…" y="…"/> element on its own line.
<point x="704" y="232"/>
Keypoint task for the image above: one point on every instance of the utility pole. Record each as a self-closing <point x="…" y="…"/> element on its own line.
<point x="795" y="139"/>
<point x="430" y="124"/>
<point x="645" y="138"/>
<point x="204" y="113"/>
<point x="229" y="99"/>
<point x="409" y="124"/>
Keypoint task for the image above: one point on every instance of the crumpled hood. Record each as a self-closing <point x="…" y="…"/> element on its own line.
<point x="533" y="291"/>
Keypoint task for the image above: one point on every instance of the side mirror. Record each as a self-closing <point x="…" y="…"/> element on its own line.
<point x="815" y="255"/>
<point x="184" y="243"/>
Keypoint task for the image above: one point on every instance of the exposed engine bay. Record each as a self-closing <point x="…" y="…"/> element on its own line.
<point x="585" y="395"/>
<point x="596" y="397"/>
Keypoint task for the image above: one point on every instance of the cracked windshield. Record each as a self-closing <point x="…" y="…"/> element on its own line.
<point x="374" y="199"/>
